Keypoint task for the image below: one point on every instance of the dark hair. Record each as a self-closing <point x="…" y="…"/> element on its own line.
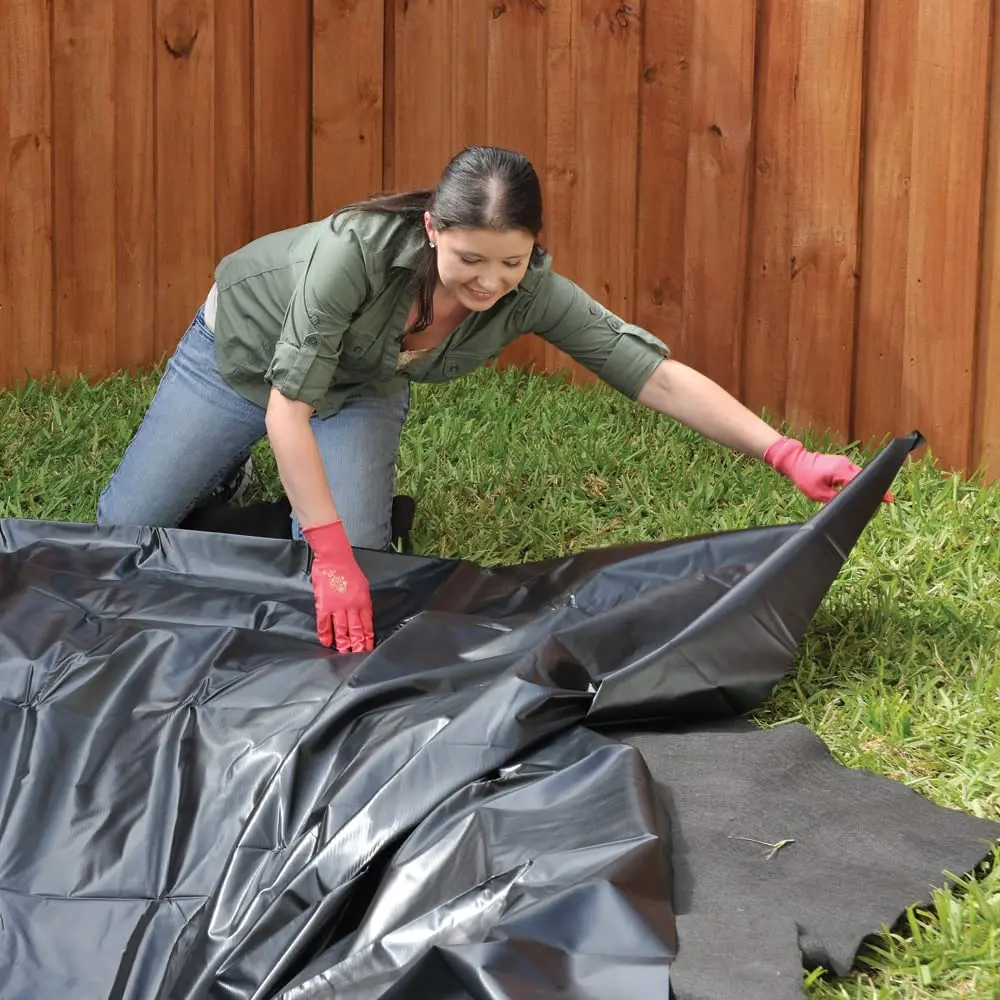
<point x="482" y="187"/>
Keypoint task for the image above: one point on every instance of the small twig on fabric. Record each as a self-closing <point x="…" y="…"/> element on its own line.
<point x="774" y="848"/>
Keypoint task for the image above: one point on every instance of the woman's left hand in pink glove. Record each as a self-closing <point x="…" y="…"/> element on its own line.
<point x="818" y="476"/>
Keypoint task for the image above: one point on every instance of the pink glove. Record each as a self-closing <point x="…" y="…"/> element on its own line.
<point x="816" y="475"/>
<point x="343" y="601"/>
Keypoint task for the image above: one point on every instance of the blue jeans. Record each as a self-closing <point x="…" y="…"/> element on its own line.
<point x="197" y="431"/>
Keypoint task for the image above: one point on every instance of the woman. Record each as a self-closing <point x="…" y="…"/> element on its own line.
<point x="312" y="336"/>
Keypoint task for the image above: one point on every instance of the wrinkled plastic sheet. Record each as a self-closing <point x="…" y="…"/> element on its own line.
<point x="199" y="801"/>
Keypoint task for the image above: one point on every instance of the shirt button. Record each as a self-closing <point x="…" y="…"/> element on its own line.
<point x="594" y="311"/>
<point x="312" y="340"/>
<point x="356" y="348"/>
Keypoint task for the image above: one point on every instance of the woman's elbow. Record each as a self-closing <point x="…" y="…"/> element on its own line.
<point x="283" y="412"/>
<point x="657" y="387"/>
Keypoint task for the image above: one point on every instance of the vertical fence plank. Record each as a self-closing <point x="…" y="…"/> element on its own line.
<point x="515" y="116"/>
<point x="562" y="167"/>
<point x="718" y="188"/>
<point x="135" y="206"/>
<point x="348" y="43"/>
<point x="10" y="359"/>
<point x="665" y="125"/>
<point x="469" y="30"/>
<point x="593" y="152"/>
<point x="888" y="141"/>
<point x="515" y="101"/>
<point x="826" y="181"/>
<point x="591" y="159"/>
<point x="944" y="233"/>
<point x="389" y="95"/>
<point x="607" y="96"/>
<point x="26" y="312"/>
<point x="986" y="438"/>
<point x="84" y="183"/>
<point x="440" y="61"/>
<point x="769" y="279"/>
<point x="282" y="114"/>
<point x="233" y="68"/>
<point x="422" y="126"/>
<point x="185" y="165"/>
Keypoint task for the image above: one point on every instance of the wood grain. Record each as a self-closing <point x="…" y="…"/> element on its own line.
<point x="986" y="437"/>
<point x="769" y="272"/>
<point x="10" y="360"/>
<point x="718" y="189"/>
<point x="347" y="102"/>
<point x="516" y="118"/>
<point x="595" y="51"/>
<point x="826" y="191"/>
<point x="26" y="308"/>
<point x="84" y="184"/>
<point x="562" y="166"/>
<point x="888" y="148"/>
<point x="942" y="283"/>
<point x="135" y="274"/>
<point x="422" y="52"/>
<point x="664" y="134"/>
<point x="471" y="72"/>
<point x="282" y="114"/>
<point x="234" y="124"/>
<point x="185" y="165"/>
<point x="389" y="95"/>
<point x="799" y="196"/>
<point x="607" y="138"/>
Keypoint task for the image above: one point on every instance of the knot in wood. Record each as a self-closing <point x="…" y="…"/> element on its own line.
<point x="624" y="15"/>
<point x="180" y="31"/>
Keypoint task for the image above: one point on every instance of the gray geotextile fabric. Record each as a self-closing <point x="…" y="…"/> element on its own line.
<point x="864" y="848"/>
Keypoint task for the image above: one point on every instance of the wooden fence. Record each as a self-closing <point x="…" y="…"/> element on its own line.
<point x="800" y="196"/>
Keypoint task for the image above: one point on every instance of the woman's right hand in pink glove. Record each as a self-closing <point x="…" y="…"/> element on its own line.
<point x="343" y="600"/>
<point x="817" y="475"/>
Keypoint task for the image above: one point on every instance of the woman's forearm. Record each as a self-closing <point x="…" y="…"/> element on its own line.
<point x="300" y="466"/>
<point x="697" y="402"/>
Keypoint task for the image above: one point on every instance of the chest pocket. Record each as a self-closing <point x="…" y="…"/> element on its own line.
<point x="454" y="364"/>
<point x="361" y="354"/>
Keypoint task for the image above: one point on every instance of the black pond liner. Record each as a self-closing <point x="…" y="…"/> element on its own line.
<point x="539" y="784"/>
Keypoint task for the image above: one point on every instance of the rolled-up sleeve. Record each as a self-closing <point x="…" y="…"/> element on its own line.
<point x="621" y="354"/>
<point x="331" y="288"/>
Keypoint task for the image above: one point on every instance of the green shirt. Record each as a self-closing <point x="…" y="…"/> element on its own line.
<point x="319" y="313"/>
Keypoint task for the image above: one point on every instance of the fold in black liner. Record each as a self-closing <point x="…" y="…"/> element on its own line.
<point x="197" y="800"/>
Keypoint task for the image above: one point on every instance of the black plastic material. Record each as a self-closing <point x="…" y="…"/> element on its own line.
<point x="272" y="519"/>
<point x="197" y="800"/>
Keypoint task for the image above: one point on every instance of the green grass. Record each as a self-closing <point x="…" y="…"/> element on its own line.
<point x="899" y="672"/>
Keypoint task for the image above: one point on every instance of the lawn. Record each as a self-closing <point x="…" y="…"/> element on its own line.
<point x="899" y="672"/>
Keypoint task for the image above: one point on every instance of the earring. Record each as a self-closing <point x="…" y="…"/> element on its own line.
<point x="432" y="243"/>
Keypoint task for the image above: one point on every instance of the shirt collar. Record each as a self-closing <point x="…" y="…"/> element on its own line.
<point x="408" y="253"/>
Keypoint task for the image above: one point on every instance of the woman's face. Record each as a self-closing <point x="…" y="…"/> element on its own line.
<point x="479" y="266"/>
